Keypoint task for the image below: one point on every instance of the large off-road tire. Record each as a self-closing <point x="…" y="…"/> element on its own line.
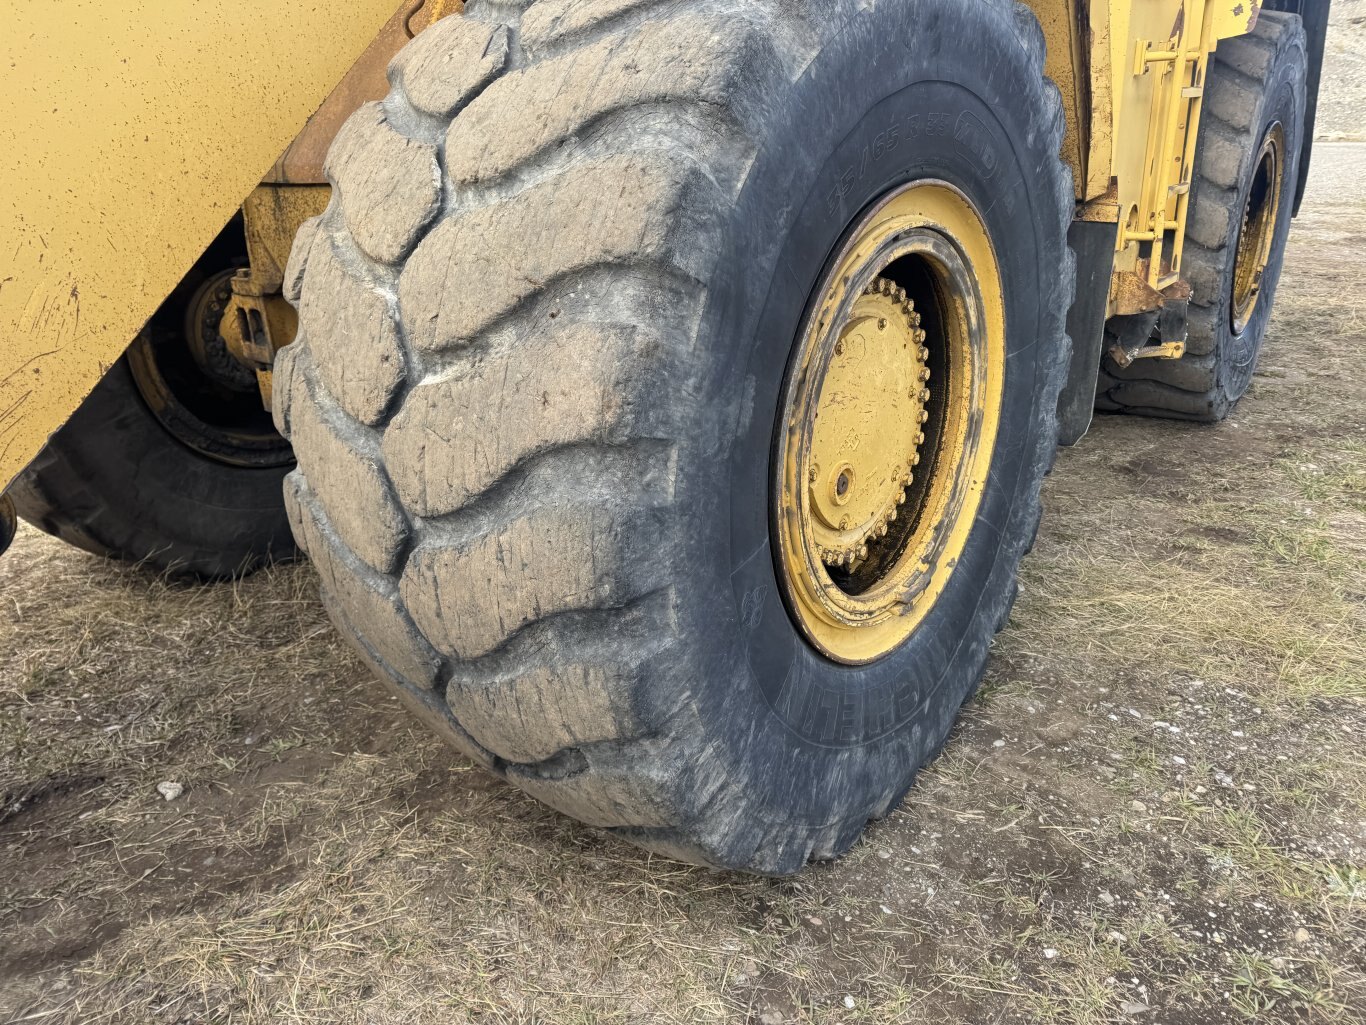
<point x="1254" y="83"/>
<point x="191" y="487"/>
<point x="545" y="324"/>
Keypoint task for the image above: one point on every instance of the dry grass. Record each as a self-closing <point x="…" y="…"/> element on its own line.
<point x="1158" y="801"/>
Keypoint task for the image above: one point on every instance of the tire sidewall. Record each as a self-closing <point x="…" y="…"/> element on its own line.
<point x="809" y="741"/>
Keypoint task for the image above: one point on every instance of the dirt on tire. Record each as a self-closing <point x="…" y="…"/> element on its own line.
<point x="530" y="355"/>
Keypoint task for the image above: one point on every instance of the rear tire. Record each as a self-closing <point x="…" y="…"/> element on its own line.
<point x="544" y="325"/>
<point x="1254" y="83"/>
<point x="171" y="491"/>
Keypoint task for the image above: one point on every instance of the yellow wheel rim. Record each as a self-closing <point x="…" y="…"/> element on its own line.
<point x="1258" y="230"/>
<point x="889" y="422"/>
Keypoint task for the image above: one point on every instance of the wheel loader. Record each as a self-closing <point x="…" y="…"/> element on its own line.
<point x="662" y="391"/>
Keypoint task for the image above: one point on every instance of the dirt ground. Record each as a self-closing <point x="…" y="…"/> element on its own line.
<point x="1154" y="812"/>
<point x="1342" y="101"/>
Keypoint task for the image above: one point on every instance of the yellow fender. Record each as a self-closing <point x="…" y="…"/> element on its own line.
<point x="132" y="134"/>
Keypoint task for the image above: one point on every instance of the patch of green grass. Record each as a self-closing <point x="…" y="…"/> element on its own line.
<point x="1261" y="985"/>
<point x="1330" y="476"/>
<point x="1257" y="865"/>
<point x="1297" y="543"/>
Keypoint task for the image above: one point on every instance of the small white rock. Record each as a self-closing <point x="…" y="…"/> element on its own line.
<point x="999" y="743"/>
<point x="170" y="790"/>
<point x="848" y="1001"/>
<point x="1050" y="953"/>
<point x="1133" y="1007"/>
<point x="1138" y="806"/>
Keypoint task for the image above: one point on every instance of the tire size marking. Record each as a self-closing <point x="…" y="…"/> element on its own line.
<point x="971" y="136"/>
<point x="884" y="143"/>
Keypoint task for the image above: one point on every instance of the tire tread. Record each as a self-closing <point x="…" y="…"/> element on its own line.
<point x="559" y="611"/>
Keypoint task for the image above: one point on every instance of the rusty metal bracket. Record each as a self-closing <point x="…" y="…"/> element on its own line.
<point x="258" y="322"/>
<point x="1153" y="334"/>
<point x="1130" y="293"/>
<point x="1163" y="350"/>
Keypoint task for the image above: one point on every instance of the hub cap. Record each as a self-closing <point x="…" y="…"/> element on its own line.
<point x="889" y="422"/>
<point x="867" y="433"/>
<point x="1258" y="230"/>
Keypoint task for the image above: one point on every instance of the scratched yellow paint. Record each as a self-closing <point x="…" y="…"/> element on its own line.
<point x="131" y="132"/>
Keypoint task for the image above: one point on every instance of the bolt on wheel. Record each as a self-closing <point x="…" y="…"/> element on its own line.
<point x="889" y="422"/>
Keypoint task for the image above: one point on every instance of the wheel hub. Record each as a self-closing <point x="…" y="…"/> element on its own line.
<point x="196" y="388"/>
<point x="1257" y="233"/>
<point x="202" y="318"/>
<point x="889" y="422"/>
<point x="867" y="435"/>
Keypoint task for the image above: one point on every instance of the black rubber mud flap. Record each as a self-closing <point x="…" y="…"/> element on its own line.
<point x="1093" y="244"/>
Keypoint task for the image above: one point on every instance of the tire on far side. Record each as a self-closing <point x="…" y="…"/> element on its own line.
<point x="1255" y="91"/>
<point x="167" y="463"/>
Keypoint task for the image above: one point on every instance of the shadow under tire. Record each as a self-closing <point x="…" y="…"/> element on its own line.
<point x="1255" y="83"/>
<point x="535" y="403"/>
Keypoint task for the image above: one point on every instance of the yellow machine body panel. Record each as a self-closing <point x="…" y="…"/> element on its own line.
<point x="1132" y="75"/>
<point x="1107" y="97"/>
<point x="131" y="134"/>
<point x="132" y="138"/>
<point x="1158" y="55"/>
